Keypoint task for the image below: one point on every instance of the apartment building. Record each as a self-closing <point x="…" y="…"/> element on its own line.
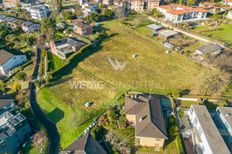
<point x="223" y="120"/>
<point x="10" y="3"/>
<point x="137" y="5"/>
<point x="205" y="136"/>
<point x="14" y="127"/>
<point x="39" y="12"/>
<point x="180" y="13"/>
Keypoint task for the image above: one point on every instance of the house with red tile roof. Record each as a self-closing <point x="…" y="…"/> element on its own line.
<point x="180" y="13"/>
<point x="227" y="2"/>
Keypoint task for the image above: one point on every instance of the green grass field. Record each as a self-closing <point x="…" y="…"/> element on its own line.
<point x="223" y="35"/>
<point x="65" y="106"/>
<point x="152" y="71"/>
<point x="54" y="61"/>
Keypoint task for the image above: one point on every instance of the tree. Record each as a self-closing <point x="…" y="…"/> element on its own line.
<point x="181" y="112"/>
<point x="59" y="6"/>
<point x="156" y="13"/>
<point x="191" y="2"/>
<point x="78" y="12"/>
<point x="111" y="115"/>
<point x="21" y="76"/>
<point x="30" y="41"/>
<point x="16" y="86"/>
<point x="100" y="6"/>
<point x="92" y="17"/>
<point x="108" y="13"/>
<point x="68" y="15"/>
<point x="173" y="130"/>
<point x="1" y="85"/>
<point x="172" y="120"/>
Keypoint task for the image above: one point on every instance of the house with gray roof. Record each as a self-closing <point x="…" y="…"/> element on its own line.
<point x="211" y="49"/>
<point x="205" y="136"/>
<point x="8" y="61"/>
<point x="167" y="34"/>
<point x="63" y="48"/>
<point x="154" y="27"/>
<point x="223" y="120"/>
<point x="85" y="144"/>
<point x="144" y="111"/>
<point x="30" y="27"/>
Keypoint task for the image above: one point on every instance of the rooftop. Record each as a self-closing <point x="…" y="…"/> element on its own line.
<point x="227" y="114"/>
<point x="149" y="115"/>
<point x="154" y="27"/>
<point x="81" y="24"/>
<point x="5" y="56"/>
<point x="86" y="144"/>
<point x="181" y="9"/>
<point x="167" y="33"/>
<point x="65" y="45"/>
<point x="209" y="48"/>
<point x="210" y="130"/>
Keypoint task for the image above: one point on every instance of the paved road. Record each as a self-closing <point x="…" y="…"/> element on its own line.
<point x="53" y="135"/>
<point x="186" y="33"/>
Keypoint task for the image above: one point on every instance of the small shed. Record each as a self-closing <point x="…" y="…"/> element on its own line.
<point x="168" y="45"/>
<point x="211" y="49"/>
<point x="154" y="27"/>
<point x="167" y="33"/>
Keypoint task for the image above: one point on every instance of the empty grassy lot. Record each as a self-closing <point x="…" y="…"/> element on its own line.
<point x="152" y="71"/>
<point x="65" y="105"/>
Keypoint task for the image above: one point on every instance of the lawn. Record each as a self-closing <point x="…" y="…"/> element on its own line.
<point x="54" y="62"/>
<point x="152" y="71"/>
<point x="65" y="105"/>
<point x="224" y="34"/>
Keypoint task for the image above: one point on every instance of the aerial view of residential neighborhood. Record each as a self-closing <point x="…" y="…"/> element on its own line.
<point x="115" y="76"/>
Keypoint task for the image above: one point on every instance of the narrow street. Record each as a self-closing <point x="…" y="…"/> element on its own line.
<point x="53" y="135"/>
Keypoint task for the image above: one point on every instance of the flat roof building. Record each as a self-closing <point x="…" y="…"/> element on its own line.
<point x="206" y="136"/>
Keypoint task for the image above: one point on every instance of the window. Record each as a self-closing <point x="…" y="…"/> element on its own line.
<point x="158" y="139"/>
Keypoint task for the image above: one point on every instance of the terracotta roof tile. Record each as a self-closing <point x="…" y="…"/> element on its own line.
<point x="181" y="9"/>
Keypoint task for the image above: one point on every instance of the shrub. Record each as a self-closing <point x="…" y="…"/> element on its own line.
<point x="21" y="76"/>
<point x="173" y="130"/>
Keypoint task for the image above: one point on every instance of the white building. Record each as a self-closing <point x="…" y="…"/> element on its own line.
<point x="229" y="15"/>
<point x="205" y="135"/>
<point x="30" y="27"/>
<point x="181" y="13"/>
<point x="227" y="2"/>
<point x="39" y="12"/>
<point x="89" y="7"/>
<point x="223" y="119"/>
<point x="8" y="61"/>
